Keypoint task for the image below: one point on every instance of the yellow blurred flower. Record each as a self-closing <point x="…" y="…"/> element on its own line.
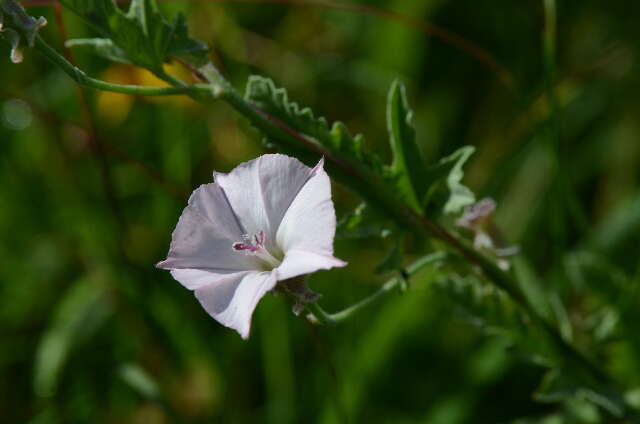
<point x="114" y="108"/>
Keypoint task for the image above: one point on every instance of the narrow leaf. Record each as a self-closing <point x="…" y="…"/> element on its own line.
<point x="407" y="166"/>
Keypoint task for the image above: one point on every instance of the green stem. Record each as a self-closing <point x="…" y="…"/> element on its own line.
<point x="324" y="317"/>
<point x="81" y="78"/>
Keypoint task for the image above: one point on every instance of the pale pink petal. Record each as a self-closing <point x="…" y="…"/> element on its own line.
<point x="310" y="222"/>
<point x="232" y="301"/>
<point x="195" y="278"/>
<point x="261" y="190"/>
<point x="299" y="262"/>
<point x="267" y="207"/>
<point x="205" y="234"/>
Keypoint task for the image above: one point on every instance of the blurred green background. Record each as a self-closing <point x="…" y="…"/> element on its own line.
<point x="92" y="185"/>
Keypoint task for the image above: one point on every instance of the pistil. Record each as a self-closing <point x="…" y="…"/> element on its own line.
<point x="256" y="248"/>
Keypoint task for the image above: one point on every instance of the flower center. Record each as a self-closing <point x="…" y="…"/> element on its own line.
<point x="255" y="246"/>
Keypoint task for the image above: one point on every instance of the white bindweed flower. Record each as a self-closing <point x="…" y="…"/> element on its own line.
<point x="268" y="220"/>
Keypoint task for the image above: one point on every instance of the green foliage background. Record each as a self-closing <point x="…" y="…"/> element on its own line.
<point x="92" y="185"/>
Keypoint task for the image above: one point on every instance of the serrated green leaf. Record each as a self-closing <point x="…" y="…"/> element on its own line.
<point x="142" y="35"/>
<point x="447" y="175"/>
<point x="407" y="167"/>
<point x="336" y="139"/>
<point x="81" y="311"/>
<point x="305" y="134"/>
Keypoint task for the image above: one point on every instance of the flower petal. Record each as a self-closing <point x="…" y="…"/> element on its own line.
<point x="299" y="262"/>
<point x="261" y="190"/>
<point x="205" y="234"/>
<point x="232" y="301"/>
<point x="194" y="279"/>
<point x="310" y="222"/>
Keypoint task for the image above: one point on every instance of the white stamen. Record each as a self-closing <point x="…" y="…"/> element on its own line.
<point x="256" y="248"/>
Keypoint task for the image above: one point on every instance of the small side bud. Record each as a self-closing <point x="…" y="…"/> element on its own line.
<point x="16" y="23"/>
<point x="478" y="218"/>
